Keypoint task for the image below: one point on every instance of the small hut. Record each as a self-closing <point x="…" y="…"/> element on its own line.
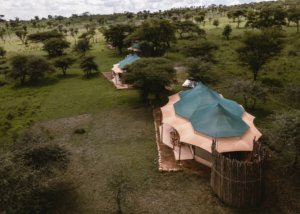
<point x="119" y="68"/>
<point x="201" y="124"/>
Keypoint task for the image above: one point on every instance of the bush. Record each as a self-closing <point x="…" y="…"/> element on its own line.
<point x="202" y="49"/>
<point x="33" y="179"/>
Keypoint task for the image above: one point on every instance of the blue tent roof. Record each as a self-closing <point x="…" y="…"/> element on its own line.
<point x="128" y="60"/>
<point x="210" y="113"/>
<point x="136" y="45"/>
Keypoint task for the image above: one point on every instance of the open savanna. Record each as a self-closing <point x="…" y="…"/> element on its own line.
<point x="119" y="143"/>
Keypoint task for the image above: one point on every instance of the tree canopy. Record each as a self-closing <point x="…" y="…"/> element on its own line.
<point x="150" y="75"/>
<point x="43" y="36"/>
<point x="55" y="47"/>
<point x="157" y="33"/>
<point x="116" y="35"/>
<point x="260" y="47"/>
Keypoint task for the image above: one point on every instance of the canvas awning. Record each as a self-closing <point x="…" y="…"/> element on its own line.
<point x="200" y="115"/>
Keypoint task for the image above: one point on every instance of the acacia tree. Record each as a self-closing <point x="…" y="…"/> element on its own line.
<point x="189" y="28"/>
<point x="64" y="63"/>
<point x="44" y="36"/>
<point x="150" y="75"/>
<point x="33" y="67"/>
<point x="116" y="35"/>
<point x="88" y="65"/>
<point x="157" y="33"/>
<point x="21" y="34"/>
<point x="199" y="49"/>
<point x="238" y="14"/>
<point x="19" y="71"/>
<point x="250" y="91"/>
<point x="259" y="48"/>
<point x="55" y="47"/>
<point x="82" y="46"/>
<point x="227" y="31"/>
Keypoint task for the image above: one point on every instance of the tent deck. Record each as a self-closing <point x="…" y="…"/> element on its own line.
<point x="119" y="86"/>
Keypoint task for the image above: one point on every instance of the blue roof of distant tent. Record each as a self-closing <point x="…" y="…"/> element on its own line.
<point x="131" y="58"/>
<point x="136" y="46"/>
<point x="211" y="114"/>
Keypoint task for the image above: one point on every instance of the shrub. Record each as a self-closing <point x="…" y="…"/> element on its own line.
<point x="33" y="179"/>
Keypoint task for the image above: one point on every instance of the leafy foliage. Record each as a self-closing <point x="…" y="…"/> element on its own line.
<point x="82" y="46"/>
<point x="150" y="75"/>
<point x="32" y="178"/>
<point x="88" y="65"/>
<point x="200" y="49"/>
<point x="116" y="35"/>
<point x="250" y="91"/>
<point x="44" y="36"/>
<point x="55" y="47"/>
<point x="258" y="48"/>
<point x="227" y="31"/>
<point x="33" y="67"/>
<point x="157" y="33"/>
<point x="285" y="135"/>
<point x="64" y="63"/>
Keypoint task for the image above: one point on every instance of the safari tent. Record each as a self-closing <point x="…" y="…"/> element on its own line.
<point x="119" y="68"/>
<point x="135" y="47"/>
<point x="194" y="118"/>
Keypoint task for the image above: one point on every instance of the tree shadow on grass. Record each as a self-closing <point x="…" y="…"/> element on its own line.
<point x="91" y="76"/>
<point x="67" y="76"/>
<point x="37" y="84"/>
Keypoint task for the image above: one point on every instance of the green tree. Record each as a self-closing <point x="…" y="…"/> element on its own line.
<point x="216" y="22"/>
<point x="157" y="33"/>
<point x="88" y="65"/>
<point x="19" y="70"/>
<point x="270" y="17"/>
<point x="37" y="68"/>
<point x="238" y="14"/>
<point x="199" y="49"/>
<point x="116" y="35"/>
<point x="32" y="67"/>
<point x="21" y="34"/>
<point x="150" y="75"/>
<point x="55" y="47"/>
<point x="44" y="36"/>
<point x="285" y="135"/>
<point x="2" y="52"/>
<point x="227" y="31"/>
<point x="198" y="70"/>
<point x="64" y="63"/>
<point x="259" y="48"/>
<point x="82" y="46"/>
<point x="250" y="91"/>
<point x="189" y="28"/>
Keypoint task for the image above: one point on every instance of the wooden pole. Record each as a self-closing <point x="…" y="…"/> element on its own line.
<point x="179" y="152"/>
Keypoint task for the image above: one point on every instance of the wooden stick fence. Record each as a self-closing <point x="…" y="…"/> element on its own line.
<point x="238" y="183"/>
